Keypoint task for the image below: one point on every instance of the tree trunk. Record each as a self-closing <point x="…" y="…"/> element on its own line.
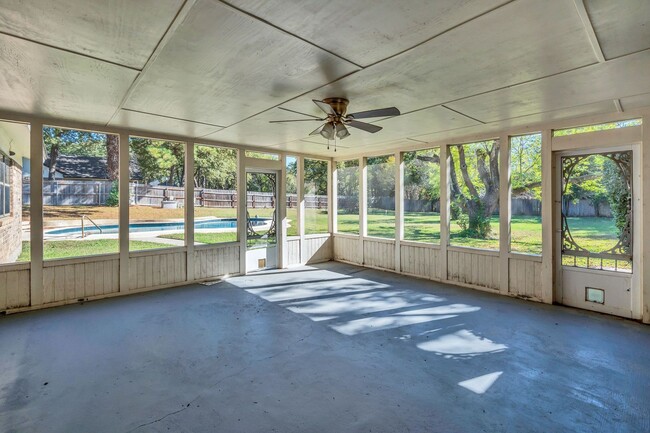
<point x="112" y="156"/>
<point x="54" y="156"/>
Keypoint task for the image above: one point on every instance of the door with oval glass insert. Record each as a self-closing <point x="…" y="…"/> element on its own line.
<point x="261" y="220"/>
<point x="594" y="244"/>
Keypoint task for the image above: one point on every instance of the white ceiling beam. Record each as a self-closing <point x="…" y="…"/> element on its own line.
<point x="176" y="22"/>
<point x="463" y="114"/>
<point x="268" y="23"/>
<point x="67" y="50"/>
<point x="619" y="107"/>
<point x="589" y="28"/>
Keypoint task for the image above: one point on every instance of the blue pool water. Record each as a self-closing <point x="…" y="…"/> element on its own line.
<point x="226" y="223"/>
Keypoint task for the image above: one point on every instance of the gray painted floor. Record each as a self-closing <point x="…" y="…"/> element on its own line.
<point x="329" y="348"/>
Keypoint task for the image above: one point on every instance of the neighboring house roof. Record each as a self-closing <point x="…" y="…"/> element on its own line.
<point x="87" y="167"/>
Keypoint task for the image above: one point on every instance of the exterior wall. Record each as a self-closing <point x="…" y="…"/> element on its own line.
<point x="11" y="226"/>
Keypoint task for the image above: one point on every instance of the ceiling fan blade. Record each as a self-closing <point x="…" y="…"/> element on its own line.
<point x="325" y="107"/>
<point x="298" y="112"/>
<point x="381" y="112"/>
<point x="295" y="120"/>
<point x="368" y="127"/>
<point x="317" y="130"/>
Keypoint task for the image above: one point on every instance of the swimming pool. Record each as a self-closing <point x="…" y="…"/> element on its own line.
<point x="225" y="223"/>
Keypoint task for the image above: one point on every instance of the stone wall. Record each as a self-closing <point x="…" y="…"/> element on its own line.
<point x="11" y="226"/>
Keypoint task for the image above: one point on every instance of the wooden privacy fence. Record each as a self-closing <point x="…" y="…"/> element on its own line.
<point x="148" y="195"/>
<point x="63" y="192"/>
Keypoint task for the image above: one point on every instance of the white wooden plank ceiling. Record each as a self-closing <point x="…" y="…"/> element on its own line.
<point x="219" y="70"/>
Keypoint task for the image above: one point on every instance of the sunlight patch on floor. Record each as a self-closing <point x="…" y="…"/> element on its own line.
<point x="404" y="318"/>
<point x="276" y="293"/>
<point x="481" y="384"/>
<point x="371" y="324"/>
<point x="362" y="303"/>
<point x="462" y="343"/>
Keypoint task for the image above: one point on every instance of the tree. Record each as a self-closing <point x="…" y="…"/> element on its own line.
<point x="381" y="181"/>
<point x="292" y="175"/>
<point x="619" y="196"/>
<point x="315" y="176"/>
<point x="60" y="141"/>
<point x="112" y="156"/>
<point x="526" y="166"/>
<point x="159" y="160"/>
<point x="585" y="182"/>
<point x="215" y="167"/>
<point x="348" y="186"/>
<point x="422" y="175"/>
<point x="477" y="197"/>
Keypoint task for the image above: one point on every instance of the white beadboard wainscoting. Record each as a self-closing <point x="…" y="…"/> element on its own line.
<point x="14" y="286"/>
<point x="525" y="277"/>
<point x="316" y="248"/>
<point x="346" y="249"/>
<point x="72" y="279"/>
<point x="216" y="262"/>
<point x="470" y="267"/>
<point x="379" y="253"/>
<point x="293" y="251"/>
<point x="420" y="260"/>
<point x="473" y="267"/>
<point x="162" y="268"/>
<point x="67" y="281"/>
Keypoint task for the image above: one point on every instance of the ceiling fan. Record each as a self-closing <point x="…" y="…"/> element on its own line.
<point x="337" y="120"/>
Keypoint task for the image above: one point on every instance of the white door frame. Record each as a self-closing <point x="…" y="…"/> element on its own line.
<point x="587" y="277"/>
<point x="276" y="254"/>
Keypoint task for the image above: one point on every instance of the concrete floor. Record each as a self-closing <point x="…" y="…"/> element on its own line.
<point x="328" y="348"/>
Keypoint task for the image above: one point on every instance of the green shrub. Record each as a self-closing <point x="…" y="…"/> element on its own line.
<point x="474" y="224"/>
<point x="113" y="199"/>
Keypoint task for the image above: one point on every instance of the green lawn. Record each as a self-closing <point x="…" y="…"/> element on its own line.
<point x="205" y="238"/>
<point x="594" y="234"/>
<point x="66" y="249"/>
<point x="292" y="216"/>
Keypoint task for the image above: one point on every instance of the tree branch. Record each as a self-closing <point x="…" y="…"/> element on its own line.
<point x="454" y="188"/>
<point x="435" y="158"/>
<point x="483" y="172"/>
<point x="463" y="169"/>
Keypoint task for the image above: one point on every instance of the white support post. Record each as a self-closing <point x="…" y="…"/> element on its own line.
<point x="189" y="209"/>
<point x="281" y="209"/>
<point x="301" y="204"/>
<point x="399" y="210"/>
<point x="444" y="210"/>
<point x="645" y="223"/>
<point x="123" y="226"/>
<point x="36" y="213"/>
<point x="363" y="206"/>
<point x="332" y="200"/>
<point x="547" y="217"/>
<point x="504" y="213"/>
<point x="241" y="209"/>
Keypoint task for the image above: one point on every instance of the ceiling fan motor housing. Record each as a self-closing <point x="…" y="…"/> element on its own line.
<point x="339" y="105"/>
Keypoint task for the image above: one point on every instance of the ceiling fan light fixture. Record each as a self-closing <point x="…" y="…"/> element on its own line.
<point x="328" y="131"/>
<point x="338" y="120"/>
<point x="341" y="131"/>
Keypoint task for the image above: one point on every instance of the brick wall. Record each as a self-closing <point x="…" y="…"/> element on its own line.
<point x="10" y="227"/>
